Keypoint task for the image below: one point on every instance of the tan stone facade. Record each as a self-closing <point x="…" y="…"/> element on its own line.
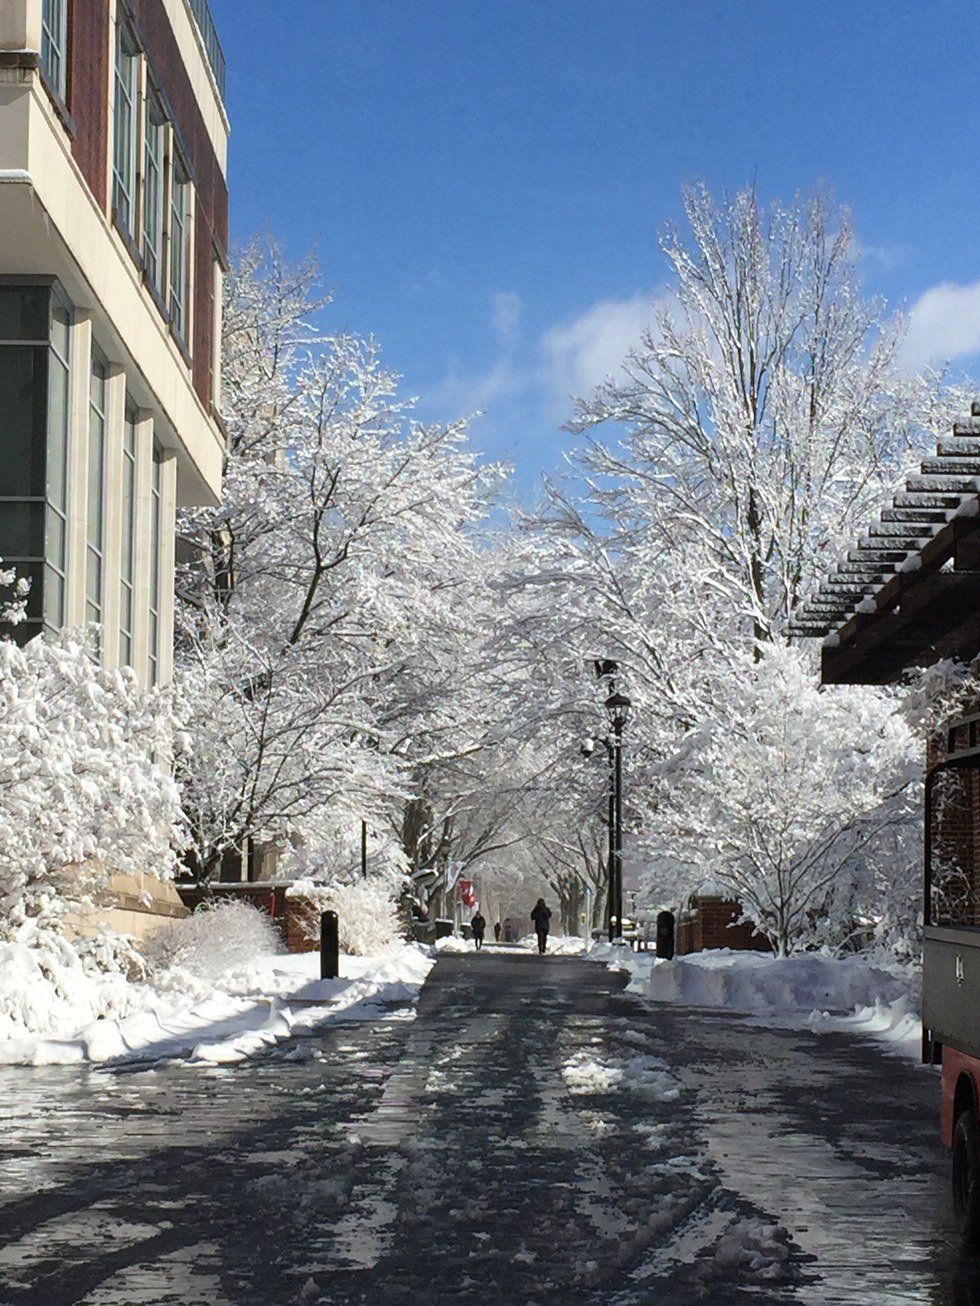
<point x="113" y="210"/>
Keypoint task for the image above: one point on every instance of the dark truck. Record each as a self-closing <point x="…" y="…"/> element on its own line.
<point x="906" y="595"/>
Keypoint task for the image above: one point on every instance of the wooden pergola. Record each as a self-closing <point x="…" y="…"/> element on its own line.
<point x="908" y="592"/>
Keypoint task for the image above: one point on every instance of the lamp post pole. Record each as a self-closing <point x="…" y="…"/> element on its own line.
<point x="618" y="860"/>
<point x="618" y="706"/>
<point x="611" y="829"/>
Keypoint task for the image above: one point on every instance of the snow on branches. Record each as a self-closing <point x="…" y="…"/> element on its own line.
<point x="85" y="786"/>
<point x="326" y="613"/>
<point x="788" y="796"/>
<point x="757" y="423"/>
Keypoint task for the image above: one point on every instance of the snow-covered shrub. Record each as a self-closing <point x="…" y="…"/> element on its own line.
<point x="214" y="940"/>
<point x="52" y="987"/>
<point x="13" y="607"/>
<point x="84" y="788"/>
<point x="110" y="953"/>
<point x="367" y="913"/>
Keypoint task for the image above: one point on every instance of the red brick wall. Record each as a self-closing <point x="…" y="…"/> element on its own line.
<point x="90" y="53"/>
<point x="711" y="925"/>
<point x="955" y="829"/>
<point x="211" y="212"/>
<point x="88" y="80"/>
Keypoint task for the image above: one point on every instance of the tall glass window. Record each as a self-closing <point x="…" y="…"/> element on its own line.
<point x="180" y="204"/>
<point x="95" y="510"/>
<point x="56" y="479"/>
<point x="54" y="44"/>
<point x="127" y="561"/>
<point x="24" y="334"/>
<point x="156" y="534"/>
<point x="154" y="172"/>
<point x="124" y="128"/>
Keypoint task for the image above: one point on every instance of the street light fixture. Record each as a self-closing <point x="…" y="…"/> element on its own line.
<point x="618" y="707"/>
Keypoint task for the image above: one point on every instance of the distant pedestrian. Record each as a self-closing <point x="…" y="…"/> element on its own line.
<point x="478" y="925"/>
<point x="496" y="932"/>
<point x="541" y="916"/>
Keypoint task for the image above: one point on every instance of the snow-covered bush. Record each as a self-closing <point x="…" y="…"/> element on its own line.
<point x="367" y="913"/>
<point x="51" y="987"/>
<point x="13" y="607"/>
<point x="84" y="789"/>
<point x="214" y="940"/>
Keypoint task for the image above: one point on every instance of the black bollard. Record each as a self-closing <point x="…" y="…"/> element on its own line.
<point x="665" y="935"/>
<point x="329" y="945"/>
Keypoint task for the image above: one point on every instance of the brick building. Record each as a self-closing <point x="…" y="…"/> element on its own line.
<point x="114" y="211"/>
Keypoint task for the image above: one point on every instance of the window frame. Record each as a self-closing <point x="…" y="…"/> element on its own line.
<point x="56" y="491"/>
<point x="179" y="245"/>
<point x="125" y="196"/>
<point x="156" y="164"/>
<point x="95" y="532"/>
<point x="128" y="540"/>
<point x="153" y="646"/>
<point x="54" y="45"/>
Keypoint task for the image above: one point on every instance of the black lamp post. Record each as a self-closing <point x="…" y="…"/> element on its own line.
<point x="618" y="708"/>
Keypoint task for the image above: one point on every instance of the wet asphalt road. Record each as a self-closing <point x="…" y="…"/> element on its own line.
<point x="536" y="1135"/>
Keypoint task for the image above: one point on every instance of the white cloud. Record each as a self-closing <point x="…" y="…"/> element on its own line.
<point x="462" y="393"/>
<point x="507" y="307"/>
<point x="944" y="324"/>
<point x="578" y="355"/>
<point x="534" y="386"/>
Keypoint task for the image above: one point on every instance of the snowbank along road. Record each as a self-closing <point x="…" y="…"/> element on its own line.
<point x="536" y="1135"/>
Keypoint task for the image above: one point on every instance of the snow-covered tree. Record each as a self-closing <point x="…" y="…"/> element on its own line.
<point x="326" y="607"/>
<point x="758" y="422"/>
<point x="764" y="412"/>
<point x="788" y="795"/>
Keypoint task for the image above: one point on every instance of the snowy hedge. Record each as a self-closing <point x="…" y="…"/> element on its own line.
<point x="367" y="912"/>
<point x="85" y="790"/>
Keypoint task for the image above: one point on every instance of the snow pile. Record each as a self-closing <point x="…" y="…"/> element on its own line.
<point x="256" y="1005"/>
<point x="453" y="943"/>
<point x="751" y="1246"/>
<point x="48" y="989"/>
<point x="758" y="983"/>
<point x="586" y="1075"/>
<point x="868" y="994"/>
<point x="560" y="945"/>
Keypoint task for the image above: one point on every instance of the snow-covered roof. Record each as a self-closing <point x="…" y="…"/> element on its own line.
<point x="915" y="535"/>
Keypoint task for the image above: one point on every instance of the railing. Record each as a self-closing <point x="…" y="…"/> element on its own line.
<point x="209" y="37"/>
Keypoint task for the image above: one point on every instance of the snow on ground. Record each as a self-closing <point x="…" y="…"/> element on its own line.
<point x="863" y="993"/>
<point x="561" y="945"/>
<point x="254" y="1006"/>
<point x="453" y="943"/>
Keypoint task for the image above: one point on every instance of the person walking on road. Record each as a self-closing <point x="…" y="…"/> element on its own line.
<point x="478" y="925"/>
<point x="541" y="916"/>
<point x="496" y="932"/>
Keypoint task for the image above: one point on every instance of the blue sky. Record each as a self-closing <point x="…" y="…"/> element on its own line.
<point x="484" y="180"/>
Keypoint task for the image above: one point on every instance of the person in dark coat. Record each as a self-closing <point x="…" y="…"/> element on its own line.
<point x="478" y="925"/>
<point x="541" y="916"/>
<point x="496" y="932"/>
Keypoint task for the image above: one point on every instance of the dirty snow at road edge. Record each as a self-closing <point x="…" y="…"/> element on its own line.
<point x="256" y="1005"/>
<point x="861" y="994"/>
